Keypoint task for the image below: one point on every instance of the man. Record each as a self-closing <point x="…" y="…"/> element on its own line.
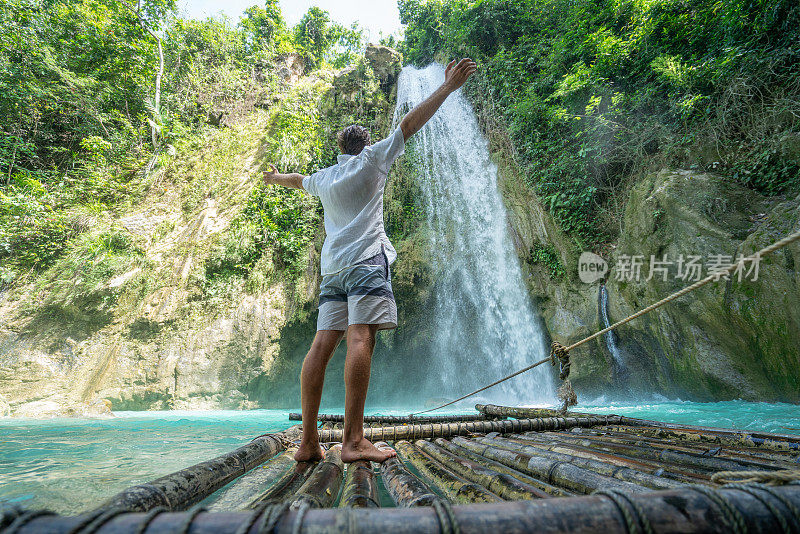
<point x="356" y="292"/>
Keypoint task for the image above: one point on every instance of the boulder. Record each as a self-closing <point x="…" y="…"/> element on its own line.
<point x="386" y="63"/>
<point x="290" y="67"/>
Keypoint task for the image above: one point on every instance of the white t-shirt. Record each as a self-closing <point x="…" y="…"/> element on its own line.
<point x="352" y="196"/>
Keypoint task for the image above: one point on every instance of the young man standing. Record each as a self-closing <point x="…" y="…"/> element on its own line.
<point x="356" y="292"/>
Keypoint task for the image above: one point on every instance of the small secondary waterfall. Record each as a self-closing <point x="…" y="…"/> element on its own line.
<point x="483" y="323"/>
<point x="620" y="369"/>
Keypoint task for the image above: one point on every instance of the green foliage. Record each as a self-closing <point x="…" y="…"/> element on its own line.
<point x="547" y="256"/>
<point x="77" y="87"/>
<point x="320" y="40"/>
<point x="594" y="91"/>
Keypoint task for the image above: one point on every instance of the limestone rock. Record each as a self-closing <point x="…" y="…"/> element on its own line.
<point x="386" y="63"/>
<point x="731" y="339"/>
<point x="290" y="67"/>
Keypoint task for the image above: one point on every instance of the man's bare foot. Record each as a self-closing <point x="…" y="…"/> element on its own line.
<point x="309" y="453"/>
<point x="364" y="450"/>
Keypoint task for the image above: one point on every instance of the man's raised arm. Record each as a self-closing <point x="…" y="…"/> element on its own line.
<point x="454" y="77"/>
<point x="293" y="180"/>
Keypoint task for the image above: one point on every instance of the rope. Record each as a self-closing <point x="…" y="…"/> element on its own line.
<point x="446" y="517"/>
<point x="304" y="507"/>
<point x="773" y="478"/>
<point x="190" y="517"/>
<point x="730" y="514"/>
<point x="24" y="519"/>
<point x="560" y="354"/>
<point x="634" y="516"/>
<point x="245" y="527"/>
<point x="93" y="521"/>
<point x="149" y="517"/>
<point x="8" y="513"/>
<point x="783" y="500"/>
<point x="766" y="502"/>
<point x="272" y="516"/>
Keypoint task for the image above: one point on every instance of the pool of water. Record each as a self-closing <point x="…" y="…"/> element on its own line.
<point x="69" y="465"/>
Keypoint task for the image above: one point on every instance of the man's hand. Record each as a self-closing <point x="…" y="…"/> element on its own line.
<point x="270" y="176"/>
<point x="456" y="75"/>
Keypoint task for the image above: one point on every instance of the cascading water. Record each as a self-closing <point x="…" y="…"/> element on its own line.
<point x="620" y="369"/>
<point x="484" y="325"/>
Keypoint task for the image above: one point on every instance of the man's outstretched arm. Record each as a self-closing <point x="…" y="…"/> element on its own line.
<point x="293" y="180"/>
<point x="454" y="77"/>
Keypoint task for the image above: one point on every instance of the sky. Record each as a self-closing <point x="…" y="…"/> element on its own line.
<point x="374" y="15"/>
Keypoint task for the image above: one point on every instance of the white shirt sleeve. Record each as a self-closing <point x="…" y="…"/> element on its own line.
<point x="310" y="183"/>
<point x="383" y="153"/>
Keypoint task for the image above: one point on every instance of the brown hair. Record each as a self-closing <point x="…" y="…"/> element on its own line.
<point x="353" y="139"/>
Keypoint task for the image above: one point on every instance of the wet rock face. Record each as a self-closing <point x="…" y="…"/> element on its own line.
<point x="386" y="63"/>
<point x="727" y="340"/>
<point x="731" y="339"/>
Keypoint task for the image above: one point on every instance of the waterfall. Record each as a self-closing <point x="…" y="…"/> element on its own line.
<point x="620" y="369"/>
<point x="483" y="323"/>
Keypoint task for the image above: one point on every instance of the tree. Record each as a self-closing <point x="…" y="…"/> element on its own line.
<point x="263" y="25"/>
<point x="314" y="35"/>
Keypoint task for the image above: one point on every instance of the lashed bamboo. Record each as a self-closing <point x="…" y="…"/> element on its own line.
<point x="297" y="476"/>
<point x="648" y="466"/>
<point x="405" y="489"/>
<point x="502" y="468"/>
<point x="492" y="410"/>
<point x="681" y="510"/>
<point x="551" y="471"/>
<point x="396" y="419"/>
<point x="501" y="484"/>
<point x="188" y="486"/>
<point x="455" y="488"/>
<point x="622" y="473"/>
<point x="360" y="489"/>
<point x="696" y="461"/>
<point x="725" y="436"/>
<point x="446" y="430"/>
<point x="720" y="435"/>
<point x="736" y="452"/>
<point x="322" y="487"/>
<point x="271" y="476"/>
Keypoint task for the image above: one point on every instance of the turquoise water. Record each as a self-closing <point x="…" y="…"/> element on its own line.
<point x="69" y="465"/>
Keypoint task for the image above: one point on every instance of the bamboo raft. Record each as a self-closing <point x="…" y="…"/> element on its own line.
<point x="504" y="470"/>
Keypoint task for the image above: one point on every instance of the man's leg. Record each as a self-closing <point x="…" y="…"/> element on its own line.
<point x="312" y="378"/>
<point x="360" y="344"/>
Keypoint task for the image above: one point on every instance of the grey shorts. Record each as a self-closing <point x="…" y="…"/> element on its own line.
<point x="361" y="294"/>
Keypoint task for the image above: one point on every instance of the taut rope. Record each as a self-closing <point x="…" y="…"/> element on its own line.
<point x="560" y="354"/>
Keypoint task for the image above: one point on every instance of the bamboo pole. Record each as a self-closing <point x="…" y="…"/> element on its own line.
<point x="183" y="488"/>
<point x="682" y="510"/>
<point x="622" y="473"/>
<point x="762" y="458"/>
<point x="395" y="419"/>
<point x="452" y="486"/>
<point x="272" y="475"/>
<point x="360" y="489"/>
<point x="502" y="468"/>
<point x="726" y="435"/>
<point x="693" y="444"/>
<point x="492" y="410"/>
<point x="501" y="484"/>
<point x="297" y="476"/>
<point x="648" y="466"/>
<point x="697" y="461"/>
<point x="405" y="489"/>
<point x="322" y="486"/>
<point x="555" y="472"/>
<point x="446" y="430"/>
